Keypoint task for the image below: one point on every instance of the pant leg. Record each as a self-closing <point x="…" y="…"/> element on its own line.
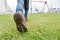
<point x="26" y="4"/>
<point x="20" y="6"/>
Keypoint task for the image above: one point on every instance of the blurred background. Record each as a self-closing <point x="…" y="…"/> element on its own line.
<point x="35" y="6"/>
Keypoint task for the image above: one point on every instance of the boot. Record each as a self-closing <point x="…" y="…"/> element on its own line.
<point x="20" y="22"/>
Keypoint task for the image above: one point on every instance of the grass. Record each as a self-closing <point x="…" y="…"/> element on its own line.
<point x="40" y="27"/>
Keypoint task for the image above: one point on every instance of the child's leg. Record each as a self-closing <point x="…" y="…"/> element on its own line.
<point x="26" y="4"/>
<point x="20" y="6"/>
<point x="19" y="17"/>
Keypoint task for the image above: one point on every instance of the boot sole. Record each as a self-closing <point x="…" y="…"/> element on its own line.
<point x="19" y="23"/>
